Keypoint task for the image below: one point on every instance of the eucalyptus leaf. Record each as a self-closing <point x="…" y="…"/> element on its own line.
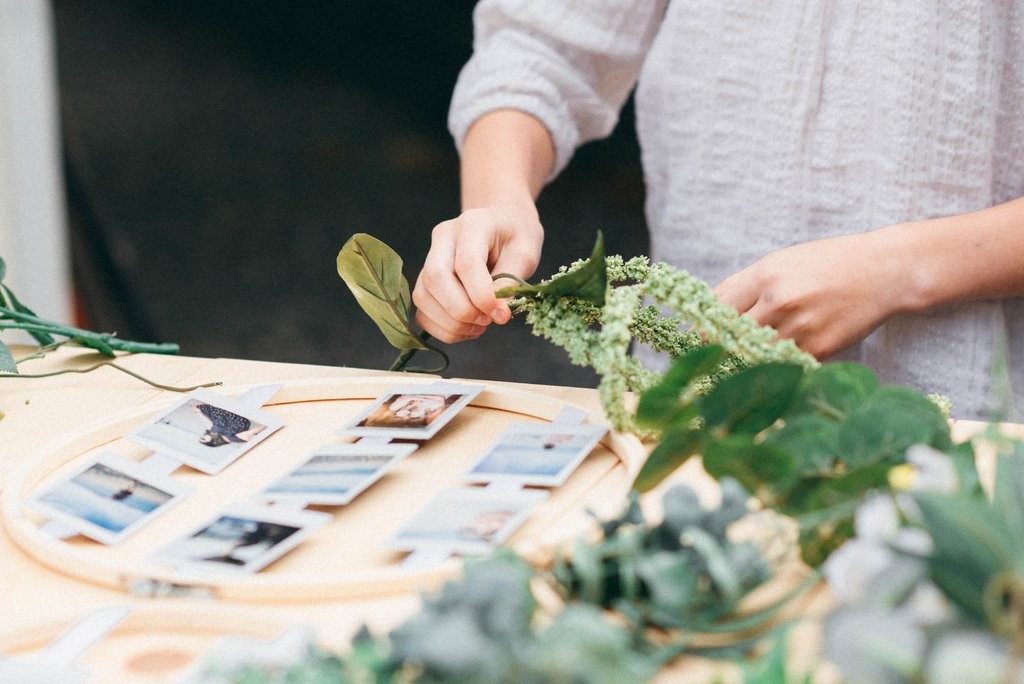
<point x="660" y="405"/>
<point x="887" y="423"/>
<point x="813" y="440"/>
<point x="1008" y="496"/>
<point x="760" y="468"/>
<point x="373" y="272"/>
<point x="752" y="399"/>
<point x="834" y="389"/>
<point x="3" y="269"/>
<point x="677" y="445"/>
<point x="7" y="364"/>
<point x="588" y="282"/>
<point x="972" y="546"/>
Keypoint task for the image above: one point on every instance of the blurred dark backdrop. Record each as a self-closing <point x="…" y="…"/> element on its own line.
<point x="219" y="153"/>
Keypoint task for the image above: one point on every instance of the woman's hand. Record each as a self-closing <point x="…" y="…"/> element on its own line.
<point x="454" y="294"/>
<point x="827" y="294"/>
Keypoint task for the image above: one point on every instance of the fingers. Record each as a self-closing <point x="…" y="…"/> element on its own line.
<point x="454" y="293"/>
<point x="739" y="291"/>
<point x="443" y="307"/>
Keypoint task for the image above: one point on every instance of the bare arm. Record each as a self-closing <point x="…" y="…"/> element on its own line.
<point x="507" y="156"/>
<point x="828" y="294"/>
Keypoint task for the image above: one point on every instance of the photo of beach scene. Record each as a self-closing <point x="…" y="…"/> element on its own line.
<point x="336" y="474"/>
<point x="543" y="454"/>
<point x="108" y="498"/>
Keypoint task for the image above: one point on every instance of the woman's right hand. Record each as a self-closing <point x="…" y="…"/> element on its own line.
<point x="454" y="294"/>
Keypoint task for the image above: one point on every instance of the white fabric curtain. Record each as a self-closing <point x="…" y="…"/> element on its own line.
<point x="33" y="234"/>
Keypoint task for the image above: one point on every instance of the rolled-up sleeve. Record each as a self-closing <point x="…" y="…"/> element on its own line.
<point x="570" y="64"/>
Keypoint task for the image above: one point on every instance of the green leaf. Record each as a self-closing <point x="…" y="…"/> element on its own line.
<point x="588" y="282"/>
<point x="813" y="440"/>
<point x="971" y="547"/>
<point x="834" y="389"/>
<point x="3" y="269"/>
<point x="1008" y="496"/>
<point x="676" y="447"/>
<point x="373" y="272"/>
<point x="660" y="405"/>
<point x="40" y="337"/>
<point x="852" y="485"/>
<point x="758" y="467"/>
<point x="887" y="423"/>
<point x="7" y="364"/>
<point x="94" y="343"/>
<point x="752" y="399"/>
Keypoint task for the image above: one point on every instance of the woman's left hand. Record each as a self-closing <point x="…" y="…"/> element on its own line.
<point x="824" y="295"/>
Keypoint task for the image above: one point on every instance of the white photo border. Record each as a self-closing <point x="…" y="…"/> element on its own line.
<point x="177" y="490"/>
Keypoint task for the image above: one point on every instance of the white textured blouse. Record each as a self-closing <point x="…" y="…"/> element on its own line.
<point x="765" y="124"/>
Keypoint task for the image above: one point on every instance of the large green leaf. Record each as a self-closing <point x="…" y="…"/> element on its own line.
<point x="676" y="447"/>
<point x="972" y="546"/>
<point x="887" y="423"/>
<point x="7" y="364"/>
<point x="1008" y="497"/>
<point x="752" y="399"/>
<point x="834" y="389"/>
<point x="588" y="282"/>
<point x="373" y="272"/>
<point x="760" y="468"/>
<point x="813" y="440"/>
<point x="659" y="406"/>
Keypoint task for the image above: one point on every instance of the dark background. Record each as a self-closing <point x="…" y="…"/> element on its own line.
<point x="219" y="153"/>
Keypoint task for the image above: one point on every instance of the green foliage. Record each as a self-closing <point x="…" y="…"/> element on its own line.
<point x="16" y="316"/>
<point x="682" y="573"/>
<point x="587" y="283"/>
<point x="373" y="272"/>
<point x="809" y="443"/>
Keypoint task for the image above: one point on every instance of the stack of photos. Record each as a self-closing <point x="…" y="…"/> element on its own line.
<point x="207" y="431"/>
<point x="334" y="475"/>
<point x="243" y="539"/>
<point x="467" y="520"/>
<point x="412" y="412"/>
<point x="109" y="498"/>
<point x="541" y="454"/>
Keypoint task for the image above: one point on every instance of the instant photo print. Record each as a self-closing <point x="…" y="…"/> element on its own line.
<point x="414" y="412"/>
<point x="335" y="474"/>
<point x="242" y="539"/>
<point x="109" y="498"/>
<point x="207" y="431"/>
<point x="542" y="454"/>
<point x="467" y="520"/>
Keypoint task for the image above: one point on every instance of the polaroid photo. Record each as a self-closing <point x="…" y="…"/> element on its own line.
<point x="242" y="539"/>
<point x="467" y="520"/>
<point x="414" y="412"/>
<point x="207" y="431"/>
<point x="335" y="474"/>
<point x="109" y="498"/>
<point x="542" y="454"/>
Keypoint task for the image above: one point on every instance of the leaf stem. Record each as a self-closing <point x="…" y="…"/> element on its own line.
<point x="115" y="366"/>
<point x="30" y="323"/>
<point x="403" y="359"/>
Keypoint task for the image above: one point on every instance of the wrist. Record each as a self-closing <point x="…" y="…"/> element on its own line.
<point x="913" y="268"/>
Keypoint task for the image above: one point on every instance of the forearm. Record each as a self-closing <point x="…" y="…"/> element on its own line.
<point x="507" y="156"/>
<point x="972" y="256"/>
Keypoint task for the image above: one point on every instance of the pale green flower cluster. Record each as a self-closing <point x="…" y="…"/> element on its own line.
<point x="600" y="337"/>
